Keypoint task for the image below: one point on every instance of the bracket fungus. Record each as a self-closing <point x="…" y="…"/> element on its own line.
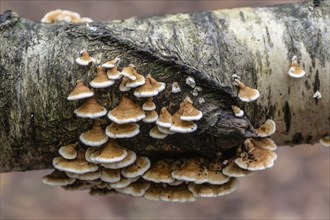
<point x="104" y="167"/>
<point x="295" y="70"/>
<point x="64" y="15"/>
<point x="246" y="94"/>
<point x="68" y="151"/>
<point x="80" y="92"/>
<point x="85" y="59"/>
<point x="325" y="141"/>
<point x="122" y="130"/>
<point x="237" y="111"/>
<point x="101" y="79"/>
<point x="111" y="63"/>
<point x="90" y="109"/>
<point x="126" y="112"/>
<point x="266" y="129"/>
<point x="95" y="136"/>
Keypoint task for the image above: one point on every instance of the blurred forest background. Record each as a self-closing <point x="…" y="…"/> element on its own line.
<point x="297" y="187"/>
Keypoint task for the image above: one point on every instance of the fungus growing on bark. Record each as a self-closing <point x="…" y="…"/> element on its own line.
<point x="190" y="81"/>
<point x="110" y="175"/>
<point x="108" y="153"/>
<point x="147" y="90"/>
<point x="295" y="70"/>
<point x="68" y="152"/>
<point x="129" y="72"/>
<point x="64" y="15"/>
<point x="159" y="86"/>
<point x="123" y="182"/>
<point x="122" y="130"/>
<point x="80" y="92"/>
<point x="181" y="126"/>
<point x="165" y="130"/>
<point x="138" y="168"/>
<point x="95" y="136"/>
<point x="325" y="141"/>
<point x="85" y="59"/>
<point x="90" y="175"/>
<point x="138" y="81"/>
<point x="122" y="86"/>
<point x="317" y="95"/>
<point x="113" y="73"/>
<point x="175" y="87"/>
<point x="90" y="109"/>
<point x="267" y="129"/>
<point x="78" y="165"/>
<point x="160" y="172"/>
<point x="136" y="189"/>
<point x="232" y="170"/>
<point x="128" y="160"/>
<point x="255" y="158"/>
<point x="101" y="79"/>
<point x="189" y="113"/>
<point x="111" y="63"/>
<point x="155" y="133"/>
<point x="191" y="171"/>
<point x="149" y="105"/>
<point x="207" y="190"/>
<point x="165" y="118"/>
<point x="237" y="111"/>
<point x="265" y="143"/>
<point x="57" y="178"/>
<point x="246" y="94"/>
<point x="179" y="193"/>
<point x="126" y="112"/>
<point x="151" y="116"/>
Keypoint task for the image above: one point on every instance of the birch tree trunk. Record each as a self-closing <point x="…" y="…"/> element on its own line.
<point x="38" y="71"/>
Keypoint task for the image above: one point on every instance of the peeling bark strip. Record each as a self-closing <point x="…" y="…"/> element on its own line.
<point x="37" y="72"/>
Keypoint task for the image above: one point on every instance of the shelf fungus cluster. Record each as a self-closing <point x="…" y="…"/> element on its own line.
<point x="100" y="164"/>
<point x="59" y="15"/>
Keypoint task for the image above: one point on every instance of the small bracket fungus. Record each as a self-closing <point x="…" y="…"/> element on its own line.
<point x="136" y="189"/>
<point x="113" y="73"/>
<point x="109" y="153"/>
<point x="90" y="175"/>
<point x="78" y="165"/>
<point x="57" y="178"/>
<point x="151" y="116"/>
<point x="160" y="172"/>
<point x="101" y="79"/>
<point x="232" y="170"/>
<point x="190" y="81"/>
<point x="179" y="193"/>
<point x="64" y="15"/>
<point x="267" y="129"/>
<point x="246" y="94"/>
<point x="122" y="86"/>
<point x="138" y="81"/>
<point x="149" y="105"/>
<point x="156" y="133"/>
<point x="126" y="112"/>
<point x="189" y="113"/>
<point x="181" y="126"/>
<point x="175" y="87"/>
<point x="325" y="141"/>
<point x="110" y="175"/>
<point x="147" y="90"/>
<point x="95" y="136"/>
<point x="68" y="152"/>
<point x="80" y="92"/>
<point x="122" y="130"/>
<point x="138" y="168"/>
<point x="317" y="95"/>
<point x="159" y="86"/>
<point x="128" y="160"/>
<point x="165" y="130"/>
<point x="85" y="59"/>
<point x="122" y="183"/>
<point x="265" y="143"/>
<point x="111" y="63"/>
<point x="191" y="171"/>
<point x="165" y="118"/>
<point x="90" y="109"/>
<point x="237" y="111"/>
<point x="255" y="158"/>
<point x="129" y="72"/>
<point x="295" y="70"/>
<point x="207" y="190"/>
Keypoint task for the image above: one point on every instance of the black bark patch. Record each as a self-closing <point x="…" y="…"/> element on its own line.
<point x="287" y="117"/>
<point x="297" y="138"/>
<point x="241" y="14"/>
<point x="316" y="84"/>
